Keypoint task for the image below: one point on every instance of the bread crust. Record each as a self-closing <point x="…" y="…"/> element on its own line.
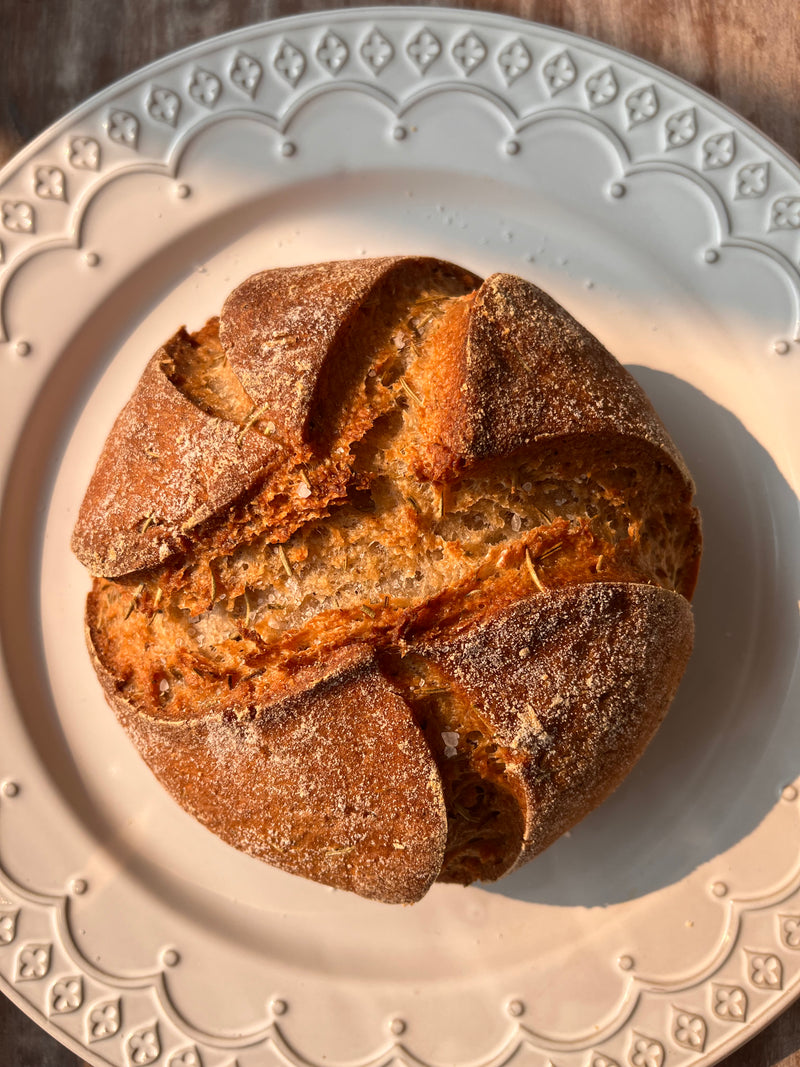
<point x="150" y="489"/>
<point x="302" y="317"/>
<point x="331" y="781"/>
<point x="572" y="684"/>
<point x="520" y="371"/>
<point x="393" y="740"/>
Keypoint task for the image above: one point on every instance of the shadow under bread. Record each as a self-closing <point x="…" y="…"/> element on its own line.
<point x="731" y="739"/>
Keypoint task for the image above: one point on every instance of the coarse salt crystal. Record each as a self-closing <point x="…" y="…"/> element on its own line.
<point x="450" y="738"/>
<point x="450" y="752"/>
<point x="303" y="491"/>
<point x="516" y="523"/>
<point x="163" y="685"/>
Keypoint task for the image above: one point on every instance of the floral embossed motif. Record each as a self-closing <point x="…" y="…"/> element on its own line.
<point x="290" y="63"/>
<point x="789" y="927"/>
<point x="33" y="963"/>
<point x="469" y="52"/>
<point x="332" y="53"/>
<point x="18" y="217"/>
<point x="186" y="1057"/>
<point x="559" y="72"/>
<point x="103" y="1020"/>
<point x="143" y="1046"/>
<point x="689" y="1030"/>
<point x="786" y="213"/>
<point x="123" y="128"/>
<point x="205" y="87"/>
<point x="8" y="919"/>
<point x="766" y="970"/>
<point x="66" y="995"/>
<point x="645" y="1051"/>
<point x="84" y="153"/>
<point x="49" y="183"/>
<point x="597" y="1059"/>
<point x="681" y="128"/>
<point x="752" y="181"/>
<point x="376" y="51"/>
<point x="245" y="74"/>
<point x="729" y="1002"/>
<point x="164" y="106"/>
<point x="514" y="60"/>
<point x="423" y="49"/>
<point x="601" y="88"/>
<point x="719" y="150"/>
<point x="641" y="105"/>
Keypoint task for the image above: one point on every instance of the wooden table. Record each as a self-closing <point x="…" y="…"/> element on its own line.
<point x="55" y="53"/>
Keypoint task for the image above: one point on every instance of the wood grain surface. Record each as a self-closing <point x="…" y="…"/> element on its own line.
<point x="55" y="53"/>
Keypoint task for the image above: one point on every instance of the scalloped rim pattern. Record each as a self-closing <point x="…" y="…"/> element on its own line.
<point x="744" y="984"/>
<point x="400" y="57"/>
<point x="527" y="73"/>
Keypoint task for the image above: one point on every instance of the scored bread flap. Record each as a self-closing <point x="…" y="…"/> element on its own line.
<point x="300" y="338"/>
<point x="505" y="371"/>
<point x="291" y="342"/>
<point x="166" y="467"/>
<point x="572" y="684"/>
<point x="387" y="522"/>
<point x="332" y="781"/>
<point x="509" y="368"/>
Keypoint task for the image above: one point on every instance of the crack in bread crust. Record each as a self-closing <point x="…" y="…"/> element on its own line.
<point x="404" y="459"/>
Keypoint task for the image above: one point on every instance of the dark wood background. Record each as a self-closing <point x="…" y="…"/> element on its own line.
<point x="55" y="53"/>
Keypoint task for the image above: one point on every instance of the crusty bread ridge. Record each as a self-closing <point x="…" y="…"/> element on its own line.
<point x="392" y="569"/>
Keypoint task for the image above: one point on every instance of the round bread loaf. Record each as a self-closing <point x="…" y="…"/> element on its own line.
<point x="392" y="569"/>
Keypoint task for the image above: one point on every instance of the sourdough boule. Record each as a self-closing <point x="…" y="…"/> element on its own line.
<point x="392" y="569"/>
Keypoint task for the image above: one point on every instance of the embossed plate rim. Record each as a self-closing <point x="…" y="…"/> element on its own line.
<point x="399" y="12"/>
<point x="364" y="15"/>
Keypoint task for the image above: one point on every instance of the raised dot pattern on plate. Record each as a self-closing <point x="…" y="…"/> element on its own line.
<point x="522" y="75"/>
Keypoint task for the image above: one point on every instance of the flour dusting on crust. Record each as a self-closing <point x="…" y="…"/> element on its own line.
<point x="392" y="572"/>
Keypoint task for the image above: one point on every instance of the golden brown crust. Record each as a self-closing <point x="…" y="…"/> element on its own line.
<point x="392" y="572"/>
<point x="302" y="317"/>
<point x="166" y="467"/>
<point x="333" y="781"/>
<point x="517" y="370"/>
<point x="169" y="466"/>
<point x="572" y="684"/>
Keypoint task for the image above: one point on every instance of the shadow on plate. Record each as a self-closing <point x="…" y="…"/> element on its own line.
<point x="732" y="737"/>
<point x="713" y="772"/>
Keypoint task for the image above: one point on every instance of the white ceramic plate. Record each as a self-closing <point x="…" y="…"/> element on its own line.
<point x="666" y="928"/>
